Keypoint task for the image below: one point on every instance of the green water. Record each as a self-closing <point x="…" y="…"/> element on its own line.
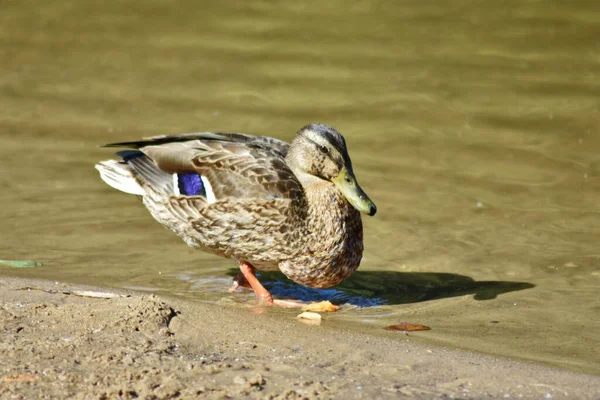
<point x="472" y="125"/>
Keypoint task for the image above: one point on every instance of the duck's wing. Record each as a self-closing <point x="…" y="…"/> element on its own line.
<point x="278" y="146"/>
<point x="235" y="165"/>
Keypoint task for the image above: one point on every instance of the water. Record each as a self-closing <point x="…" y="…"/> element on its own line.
<point x="473" y="126"/>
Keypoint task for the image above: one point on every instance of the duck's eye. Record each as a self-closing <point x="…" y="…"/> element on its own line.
<point x="323" y="149"/>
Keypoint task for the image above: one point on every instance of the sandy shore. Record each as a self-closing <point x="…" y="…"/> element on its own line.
<point x="57" y="345"/>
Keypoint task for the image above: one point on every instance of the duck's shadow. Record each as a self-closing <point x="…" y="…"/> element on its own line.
<point x="371" y="288"/>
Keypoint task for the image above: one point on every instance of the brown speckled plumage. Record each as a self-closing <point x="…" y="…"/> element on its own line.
<point x="276" y="206"/>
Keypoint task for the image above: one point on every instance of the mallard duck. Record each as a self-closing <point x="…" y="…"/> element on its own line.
<point x="260" y="201"/>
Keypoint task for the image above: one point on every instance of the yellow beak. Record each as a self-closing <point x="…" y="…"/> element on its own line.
<point x="346" y="182"/>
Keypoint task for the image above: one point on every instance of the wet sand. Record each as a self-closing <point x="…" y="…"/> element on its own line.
<point x="58" y="345"/>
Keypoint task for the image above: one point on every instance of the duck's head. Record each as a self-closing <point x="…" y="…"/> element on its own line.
<point x="319" y="152"/>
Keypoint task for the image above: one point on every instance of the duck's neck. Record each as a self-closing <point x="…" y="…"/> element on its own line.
<point x="327" y="211"/>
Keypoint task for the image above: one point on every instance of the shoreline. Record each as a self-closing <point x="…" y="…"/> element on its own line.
<point x="67" y="346"/>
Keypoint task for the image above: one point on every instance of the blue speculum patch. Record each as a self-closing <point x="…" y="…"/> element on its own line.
<point x="190" y="185"/>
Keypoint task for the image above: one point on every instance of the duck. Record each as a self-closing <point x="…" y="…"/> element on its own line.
<point x="266" y="204"/>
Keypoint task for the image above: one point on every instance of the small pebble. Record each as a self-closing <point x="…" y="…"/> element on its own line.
<point x="310" y="316"/>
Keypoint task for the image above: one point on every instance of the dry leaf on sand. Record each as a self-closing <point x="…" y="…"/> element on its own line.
<point x="18" y="378"/>
<point x="322" y="306"/>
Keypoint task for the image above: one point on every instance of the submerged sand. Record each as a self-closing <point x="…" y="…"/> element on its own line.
<point x="58" y="345"/>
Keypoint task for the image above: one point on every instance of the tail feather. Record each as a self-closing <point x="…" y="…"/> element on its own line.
<point x="135" y="174"/>
<point x="146" y="170"/>
<point x="119" y="176"/>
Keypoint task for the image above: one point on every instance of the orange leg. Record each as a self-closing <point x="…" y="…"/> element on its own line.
<point x="263" y="294"/>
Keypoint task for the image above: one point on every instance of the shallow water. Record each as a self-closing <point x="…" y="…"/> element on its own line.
<point x="473" y="126"/>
